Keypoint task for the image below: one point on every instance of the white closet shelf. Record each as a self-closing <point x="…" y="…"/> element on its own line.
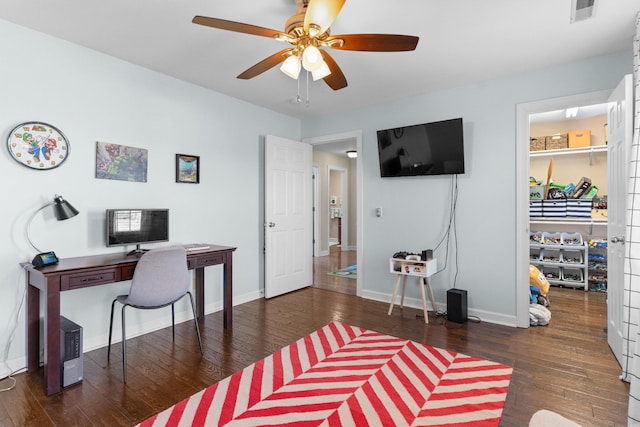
<point x="562" y="151"/>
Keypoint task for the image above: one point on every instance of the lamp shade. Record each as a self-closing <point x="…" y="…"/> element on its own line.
<point x="291" y="66"/>
<point x="63" y="209"/>
<point x="321" y="72"/>
<point x="312" y="58"/>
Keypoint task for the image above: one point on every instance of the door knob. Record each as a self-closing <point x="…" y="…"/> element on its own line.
<point x="617" y="239"/>
<point x="272" y="224"/>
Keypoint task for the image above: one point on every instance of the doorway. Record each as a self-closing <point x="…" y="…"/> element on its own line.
<point x="337" y="213"/>
<point x="525" y="113"/>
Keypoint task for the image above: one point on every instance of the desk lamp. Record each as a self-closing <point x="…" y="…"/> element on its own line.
<point x="62" y="210"/>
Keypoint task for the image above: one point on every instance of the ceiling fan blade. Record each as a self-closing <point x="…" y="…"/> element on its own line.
<point x="336" y="80"/>
<point x="322" y="13"/>
<point x="375" y="42"/>
<point x="238" y="27"/>
<point x="264" y="65"/>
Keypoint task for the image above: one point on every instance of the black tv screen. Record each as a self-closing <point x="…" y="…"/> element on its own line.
<point x="435" y="148"/>
<point x="137" y="226"/>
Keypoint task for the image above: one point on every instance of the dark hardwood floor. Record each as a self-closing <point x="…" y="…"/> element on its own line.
<point x="566" y="367"/>
<point x="336" y="260"/>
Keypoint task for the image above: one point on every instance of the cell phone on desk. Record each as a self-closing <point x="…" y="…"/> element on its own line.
<point x="45" y="258"/>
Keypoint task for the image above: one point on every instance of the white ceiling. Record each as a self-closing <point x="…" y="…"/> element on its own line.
<point x="461" y="42"/>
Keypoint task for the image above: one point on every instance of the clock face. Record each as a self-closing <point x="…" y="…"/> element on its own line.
<point x="38" y="145"/>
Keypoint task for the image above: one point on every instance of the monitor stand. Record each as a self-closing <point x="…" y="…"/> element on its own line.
<point x="137" y="251"/>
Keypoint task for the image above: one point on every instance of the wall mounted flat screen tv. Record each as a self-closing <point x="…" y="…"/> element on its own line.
<point x="435" y="148"/>
<point x="137" y="226"/>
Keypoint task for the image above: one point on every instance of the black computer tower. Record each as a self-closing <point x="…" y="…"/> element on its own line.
<point x="70" y="352"/>
<point x="457" y="305"/>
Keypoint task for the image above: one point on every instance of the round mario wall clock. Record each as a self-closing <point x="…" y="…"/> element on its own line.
<point x="38" y="145"/>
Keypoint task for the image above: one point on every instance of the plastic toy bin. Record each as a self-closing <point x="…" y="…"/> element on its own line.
<point x="571" y="239"/>
<point x="551" y="273"/>
<point x="550" y="255"/>
<point x="570" y="274"/>
<point x="569" y="256"/>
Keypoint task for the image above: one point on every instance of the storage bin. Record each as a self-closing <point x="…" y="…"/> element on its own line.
<point x="551" y="272"/>
<point x="579" y="138"/>
<point x="535" y="237"/>
<point x="535" y="208"/>
<point x="555" y="142"/>
<point x="571" y="256"/>
<point x="551" y="238"/>
<point x="579" y="208"/>
<point x="570" y="274"/>
<point x="550" y="255"/>
<point x="554" y="208"/>
<point x="534" y="254"/>
<point x="537" y="143"/>
<point x="569" y="239"/>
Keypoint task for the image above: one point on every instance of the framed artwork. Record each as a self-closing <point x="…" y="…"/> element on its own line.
<point x="38" y="145"/>
<point x="187" y="169"/>
<point x="119" y="162"/>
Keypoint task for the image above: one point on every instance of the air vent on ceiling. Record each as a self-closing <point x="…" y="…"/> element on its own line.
<point x="582" y="9"/>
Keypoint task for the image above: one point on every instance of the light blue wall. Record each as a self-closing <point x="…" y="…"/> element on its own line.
<point x="415" y="210"/>
<point x="92" y="97"/>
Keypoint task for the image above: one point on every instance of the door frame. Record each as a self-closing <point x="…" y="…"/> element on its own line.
<point x="523" y="111"/>
<point x="345" y="204"/>
<point x="316" y="205"/>
<point x="357" y="135"/>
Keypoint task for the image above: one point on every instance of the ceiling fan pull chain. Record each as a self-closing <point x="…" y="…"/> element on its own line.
<point x="298" y="99"/>
<point x="307" y="89"/>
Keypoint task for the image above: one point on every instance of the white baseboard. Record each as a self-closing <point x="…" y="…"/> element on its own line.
<point x="484" y="316"/>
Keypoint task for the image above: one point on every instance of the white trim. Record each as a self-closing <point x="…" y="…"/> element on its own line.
<point x="345" y="204"/>
<point x="316" y="202"/>
<point x="484" y="316"/>
<point x="522" y="186"/>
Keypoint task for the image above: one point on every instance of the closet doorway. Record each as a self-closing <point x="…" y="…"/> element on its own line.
<point x="554" y="116"/>
<point x="336" y="213"/>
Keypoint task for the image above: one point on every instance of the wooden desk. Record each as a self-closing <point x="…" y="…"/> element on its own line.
<point x="82" y="272"/>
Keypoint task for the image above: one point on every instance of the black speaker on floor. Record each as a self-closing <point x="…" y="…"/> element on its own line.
<point x="457" y="305"/>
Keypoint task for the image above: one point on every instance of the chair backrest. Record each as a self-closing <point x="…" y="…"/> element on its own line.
<point x="161" y="277"/>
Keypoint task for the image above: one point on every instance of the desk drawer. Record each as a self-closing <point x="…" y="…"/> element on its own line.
<point x="93" y="278"/>
<point x="205" y="260"/>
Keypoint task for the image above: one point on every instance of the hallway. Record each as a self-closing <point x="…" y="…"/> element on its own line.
<point x="336" y="260"/>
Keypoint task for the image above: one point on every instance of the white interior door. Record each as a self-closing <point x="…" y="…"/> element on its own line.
<point x="288" y="216"/>
<point x="620" y="125"/>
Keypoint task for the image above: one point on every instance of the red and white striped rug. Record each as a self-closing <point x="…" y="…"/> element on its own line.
<point x="342" y="375"/>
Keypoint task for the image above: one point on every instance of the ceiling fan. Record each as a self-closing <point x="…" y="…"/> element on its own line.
<point x="308" y="33"/>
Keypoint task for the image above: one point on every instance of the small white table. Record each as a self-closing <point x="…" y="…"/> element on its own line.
<point x="423" y="270"/>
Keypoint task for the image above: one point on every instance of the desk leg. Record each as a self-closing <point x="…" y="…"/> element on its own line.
<point x="404" y="285"/>
<point x="424" y="301"/>
<point x="395" y="292"/>
<point x="199" y="275"/>
<point x="227" y="291"/>
<point x="33" y="327"/>
<point x="52" y="362"/>
<point x="433" y="300"/>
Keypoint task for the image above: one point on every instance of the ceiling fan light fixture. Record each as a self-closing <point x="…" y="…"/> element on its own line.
<point x="312" y="58"/>
<point x="291" y="67"/>
<point x="321" y="72"/>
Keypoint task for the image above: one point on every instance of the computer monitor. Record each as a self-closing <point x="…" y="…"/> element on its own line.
<point x="137" y="226"/>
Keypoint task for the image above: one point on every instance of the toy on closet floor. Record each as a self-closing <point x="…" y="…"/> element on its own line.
<point x="539" y="287"/>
